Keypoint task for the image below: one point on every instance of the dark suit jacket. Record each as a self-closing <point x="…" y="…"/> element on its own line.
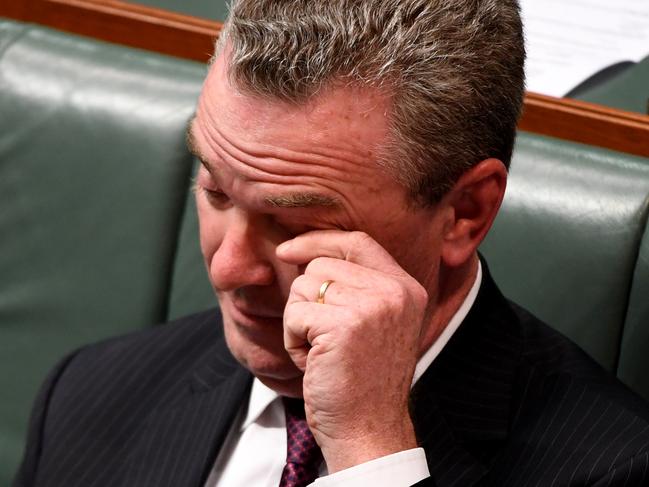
<point x="508" y="402"/>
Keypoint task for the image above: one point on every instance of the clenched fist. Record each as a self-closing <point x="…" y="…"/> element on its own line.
<point x="358" y="349"/>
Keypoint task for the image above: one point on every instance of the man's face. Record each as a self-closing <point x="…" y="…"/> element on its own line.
<point x="271" y="171"/>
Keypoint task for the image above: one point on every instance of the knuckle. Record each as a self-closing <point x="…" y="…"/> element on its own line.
<point x="288" y="322"/>
<point x="290" y="310"/>
<point x="299" y="286"/>
<point x="317" y="265"/>
<point x="398" y="294"/>
<point x="416" y="288"/>
<point x="394" y="292"/>
<point x="300" y="280"/>
<point x="419" y="295"/>
<point x="313" y="266"/>
<point x="294" y="318"/>
<point x="360" y="238"/>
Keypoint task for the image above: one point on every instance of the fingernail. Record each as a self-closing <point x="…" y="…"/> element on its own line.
<point x="284" y="247"/>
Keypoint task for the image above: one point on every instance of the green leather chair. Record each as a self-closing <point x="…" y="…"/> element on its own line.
<point x="628" y="90"/>
<point x="566" y="241"/>
<point x="99" y="231"/>
<point x="190" y="290"/>
<point x="632" y="369"/>
<point x="94" y="176"/>
<point x="207" y="9"/>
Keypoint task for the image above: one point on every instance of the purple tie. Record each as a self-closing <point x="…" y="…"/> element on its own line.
<point x="303" y="455"/>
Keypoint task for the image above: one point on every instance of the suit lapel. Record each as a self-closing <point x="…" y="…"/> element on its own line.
<point x="181" y="440"/>
<point x="461" y="405"/>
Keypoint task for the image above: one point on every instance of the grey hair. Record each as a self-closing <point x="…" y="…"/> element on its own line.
<point x="453" y="69"/>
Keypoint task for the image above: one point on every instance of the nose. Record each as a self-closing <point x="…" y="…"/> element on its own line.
<point x="243" y="258"/>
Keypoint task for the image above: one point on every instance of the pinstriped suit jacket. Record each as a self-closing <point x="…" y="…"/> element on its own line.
<point x="508" y="402"/>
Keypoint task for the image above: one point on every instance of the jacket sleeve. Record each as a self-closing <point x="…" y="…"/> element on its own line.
<point x="27" y="472"/>
<point x="634" y="471"/>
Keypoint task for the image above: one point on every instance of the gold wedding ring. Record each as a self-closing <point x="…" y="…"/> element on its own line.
<point x="323" y="290"/>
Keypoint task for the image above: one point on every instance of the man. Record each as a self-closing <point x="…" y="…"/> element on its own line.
<point x="354" y="155"/>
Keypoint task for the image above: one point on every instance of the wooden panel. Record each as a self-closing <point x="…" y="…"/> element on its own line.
<point x="588" y="123"/>
<point x="124" y="23"/>
<point x="15" y="9"/>
<point x="193" y="38"/>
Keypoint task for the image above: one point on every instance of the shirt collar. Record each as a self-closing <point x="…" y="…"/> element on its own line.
<point x="262" y="396"/>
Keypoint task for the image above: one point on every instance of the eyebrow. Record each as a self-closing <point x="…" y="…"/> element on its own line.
<point x="301" y="200"/>
<point x="290" y="200"/>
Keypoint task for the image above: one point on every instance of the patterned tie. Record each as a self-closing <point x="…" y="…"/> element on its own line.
<point x="303" y="456"/>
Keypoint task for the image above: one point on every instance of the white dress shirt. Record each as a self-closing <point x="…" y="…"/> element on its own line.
<point x="254" y="453"/>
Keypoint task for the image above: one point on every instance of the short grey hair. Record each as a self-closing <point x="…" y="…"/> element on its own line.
<point x="453" y="69"/>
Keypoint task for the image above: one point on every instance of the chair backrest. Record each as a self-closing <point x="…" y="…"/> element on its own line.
<point x="629" y="90"/>
<point x="190" y="290"/>
<point x="634" y="355"/>
<point x="566" y="241"/>
<point x="93" y="182"/>
<point x="208" y="9"/>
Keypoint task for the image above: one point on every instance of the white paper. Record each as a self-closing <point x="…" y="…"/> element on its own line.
<point x="570" y="40"/>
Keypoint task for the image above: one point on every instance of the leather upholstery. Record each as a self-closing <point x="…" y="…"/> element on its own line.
<point x="93" y="180"/>
<point x="566" y="240"/>
<point x="209" y="9"/>
<point x="190" y="289"/>
<point x="629" y="90"/>
<point x="99" y="232"/>
<point x="635" y="340"/>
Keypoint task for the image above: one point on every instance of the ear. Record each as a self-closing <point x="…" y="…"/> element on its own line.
<point x="474" y="201"/>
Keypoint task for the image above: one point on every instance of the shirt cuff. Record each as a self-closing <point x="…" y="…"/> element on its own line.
<point x="400" y="469"/>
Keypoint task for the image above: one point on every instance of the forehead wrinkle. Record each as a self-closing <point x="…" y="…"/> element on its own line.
<point x="257" y="164"/>
<point x="264" y="157"/>
<point x="231" y="114"/>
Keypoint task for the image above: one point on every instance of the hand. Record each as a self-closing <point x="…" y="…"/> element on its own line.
<point x="358" y="350"/>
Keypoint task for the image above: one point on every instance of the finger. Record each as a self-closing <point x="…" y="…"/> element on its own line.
<point x="356" y="247"/>
<point x="307" y="288"/>
<point x="305" y="325"/>
<point x="352" y="274"/>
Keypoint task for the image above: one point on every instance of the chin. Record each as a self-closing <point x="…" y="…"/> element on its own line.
<point x="265" y="359"/>
<point x="288" y="388"/>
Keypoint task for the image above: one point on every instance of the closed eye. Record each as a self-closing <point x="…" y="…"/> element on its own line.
<point x="217" y="198"/>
